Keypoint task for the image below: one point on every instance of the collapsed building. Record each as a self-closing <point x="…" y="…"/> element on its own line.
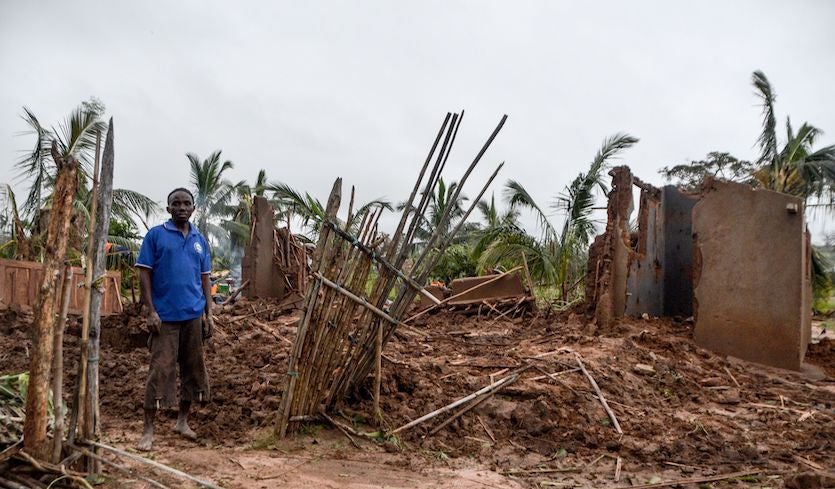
<point x="734" y="258"/>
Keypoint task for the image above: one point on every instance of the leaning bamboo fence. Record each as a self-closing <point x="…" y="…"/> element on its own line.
<point x="344" y="327"/>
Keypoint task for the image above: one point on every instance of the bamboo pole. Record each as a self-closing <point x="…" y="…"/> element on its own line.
<point x="289" y="399"/>
<point x="118" y="467"/>
<point x="104" y="196"/>
<point x="355" y="298"/>
<point x="79" y="403"/>
<point x="58" y="366"/>
<point x="599" y="394"/>
<point x="152" y="463"/>
<point x="449" y="407"/>
<point x="378" y="373"/>
<point x="382" y="261"/>
<point x="35" y="424"/>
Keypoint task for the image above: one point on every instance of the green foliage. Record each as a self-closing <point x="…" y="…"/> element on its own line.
<point x="718" y="165"/>
<point x="555" y="257"/>
<point x="456" y="262"/>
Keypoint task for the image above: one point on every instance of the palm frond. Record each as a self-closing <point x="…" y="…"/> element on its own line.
<point x="517" y="196"/>
<point x="767" y="140"/>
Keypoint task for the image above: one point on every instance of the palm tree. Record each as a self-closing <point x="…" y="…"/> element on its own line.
<point x="796" y="168"/>
<point x="292" y="203"/>
<point x="75" y="136"/>
<point x="212" y="192"/>
<point x="557" y="257"/>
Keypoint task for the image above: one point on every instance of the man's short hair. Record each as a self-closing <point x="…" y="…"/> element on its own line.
<point x="180" y="189"/>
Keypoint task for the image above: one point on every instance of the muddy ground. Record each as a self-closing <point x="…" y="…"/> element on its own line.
<point x="685" y="412"/>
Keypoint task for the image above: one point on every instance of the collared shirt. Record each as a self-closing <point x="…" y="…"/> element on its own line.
<point x="177" y="262"/>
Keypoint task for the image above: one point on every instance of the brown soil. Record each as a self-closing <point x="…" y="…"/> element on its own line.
<point x="696" y="414"/>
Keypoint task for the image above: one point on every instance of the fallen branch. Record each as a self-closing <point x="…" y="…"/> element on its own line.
<point x="486" y="429"/>
<point x="340" y="428"/>
<point x="235" y="294"/>
<point x="490" y="388"/>
<point x="599" y="394"/>
<point x="120" y="468"/>
<point x="263" y="327"/>
<point x="463" y="410"/>
<point x="694" y="480"/>
<point x="157" y="465"/>
<point x="727" y="371"/>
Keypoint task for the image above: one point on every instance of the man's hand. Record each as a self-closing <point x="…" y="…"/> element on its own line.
<point x="152" y="321"/>
<point x="208" y="326"/>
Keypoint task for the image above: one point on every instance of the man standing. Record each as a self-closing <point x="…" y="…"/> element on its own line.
<point x="174" y="266"/>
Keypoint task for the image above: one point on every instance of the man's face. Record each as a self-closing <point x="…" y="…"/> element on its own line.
<point x="180" y="206"/>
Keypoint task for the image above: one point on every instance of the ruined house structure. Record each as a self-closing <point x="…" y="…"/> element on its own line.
<point x="274" y="264"/>
<point x="735" y="258"/>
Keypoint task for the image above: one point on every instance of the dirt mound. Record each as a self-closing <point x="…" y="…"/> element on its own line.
<point x="682" y="408"/>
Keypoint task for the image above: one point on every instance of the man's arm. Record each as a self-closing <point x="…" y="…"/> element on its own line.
<point x="152" y="318"/>
<point x="209" y="323"/>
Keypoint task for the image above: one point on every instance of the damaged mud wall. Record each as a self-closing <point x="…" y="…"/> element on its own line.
<point x="609" y="254"/>
<point x="274" y="262"/>
<point x="752" y="276"/>
<point x="649" y="271"/>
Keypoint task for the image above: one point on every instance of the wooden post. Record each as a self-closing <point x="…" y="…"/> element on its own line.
<point x="79" y="404"/>
<point x="58" y="366"/>
<point x="98" y="262"/>
<point x="34" y="427"/>
<point x="378" y="373"/>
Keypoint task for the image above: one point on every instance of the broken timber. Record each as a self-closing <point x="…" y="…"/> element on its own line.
<point x="344" y="328"/>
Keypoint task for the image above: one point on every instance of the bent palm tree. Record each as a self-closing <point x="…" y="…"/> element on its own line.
<point x="557" y="257"/>
<point x="796" y="169"/>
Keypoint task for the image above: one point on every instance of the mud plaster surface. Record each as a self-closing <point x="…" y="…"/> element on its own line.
<point x="689" y="412"/>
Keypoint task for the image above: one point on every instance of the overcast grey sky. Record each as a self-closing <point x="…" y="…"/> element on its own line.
<point x="315" y="90"/>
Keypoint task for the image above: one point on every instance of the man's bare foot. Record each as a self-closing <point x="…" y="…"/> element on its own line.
<point x="183" y="429"/>
<point x="146" y="443"/>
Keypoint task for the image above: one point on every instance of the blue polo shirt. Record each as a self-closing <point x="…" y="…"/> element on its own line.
<point x="177" y="262"/>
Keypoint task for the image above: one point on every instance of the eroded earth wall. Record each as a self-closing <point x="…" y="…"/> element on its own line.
<point x="751" y="283"/>
<point x="258" y="265"/>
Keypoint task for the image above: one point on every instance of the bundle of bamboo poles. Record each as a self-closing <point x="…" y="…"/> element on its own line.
<point x="343" y="329"/>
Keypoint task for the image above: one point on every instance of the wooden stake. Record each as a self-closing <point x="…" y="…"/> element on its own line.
<point x="58" y="366"/>
<point x="599" y="394"/>
<point x="104" y="197"/>
<point x="378" y="373"/>
<point x="79" y="403"/>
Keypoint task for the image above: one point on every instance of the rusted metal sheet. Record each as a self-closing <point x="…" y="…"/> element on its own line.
<point x="508" y="286"/>
<point x="19" y="281"/>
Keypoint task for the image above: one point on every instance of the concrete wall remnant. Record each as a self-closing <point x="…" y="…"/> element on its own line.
<point x="752" y="280"/>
